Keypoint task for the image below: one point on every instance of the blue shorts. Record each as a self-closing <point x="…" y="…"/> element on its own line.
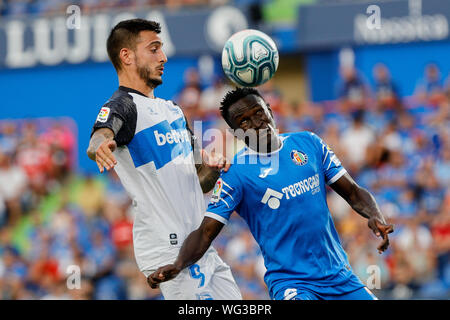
<point x="305" y="294"/>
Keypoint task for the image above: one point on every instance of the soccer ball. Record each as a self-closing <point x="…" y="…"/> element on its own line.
<point x="249" y="58"/>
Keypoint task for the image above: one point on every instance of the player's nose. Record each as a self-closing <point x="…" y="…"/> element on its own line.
<point x="163" y="57"/>
<point x="257" y="122"/>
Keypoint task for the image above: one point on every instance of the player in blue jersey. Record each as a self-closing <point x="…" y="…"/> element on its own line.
<point x="277" y="185"/>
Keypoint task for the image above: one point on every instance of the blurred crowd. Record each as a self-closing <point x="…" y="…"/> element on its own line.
<point x="65" y="235"/>
<point x="61" y="237"/>
<point x="19" y="8"/>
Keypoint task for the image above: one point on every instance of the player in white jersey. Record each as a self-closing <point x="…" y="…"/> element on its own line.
<point x="148" y="142"/>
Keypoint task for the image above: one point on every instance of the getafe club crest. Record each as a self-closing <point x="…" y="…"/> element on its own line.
<point x="299" y="157"/>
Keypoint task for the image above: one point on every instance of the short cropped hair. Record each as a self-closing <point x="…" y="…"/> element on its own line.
<point x="234" y="96"/>
<point x="125" y="35"/>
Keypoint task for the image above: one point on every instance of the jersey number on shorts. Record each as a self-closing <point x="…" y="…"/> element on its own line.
<point x="197" y="274"/>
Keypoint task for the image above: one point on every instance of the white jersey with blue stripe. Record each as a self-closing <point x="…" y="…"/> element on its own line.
<point x="156" y="167"/>
<point x="282" y="197"/>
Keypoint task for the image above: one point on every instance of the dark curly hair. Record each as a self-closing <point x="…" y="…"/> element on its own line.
<point x="232" y="97"/>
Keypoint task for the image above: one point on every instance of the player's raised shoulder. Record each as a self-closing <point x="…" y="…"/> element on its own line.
<point x="308" y="137"/>
<point x="174" y="106"/>
<point x="120" y="104"/>
<point x="122" y="99"/>
<point x="119" y="114"/>
<point x="301" y="135"/>
<point x="322" y="145"/>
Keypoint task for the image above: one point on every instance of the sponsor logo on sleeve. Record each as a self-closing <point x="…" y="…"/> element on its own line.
<point x="215" y="197"/>
<point x="103" y="114"/>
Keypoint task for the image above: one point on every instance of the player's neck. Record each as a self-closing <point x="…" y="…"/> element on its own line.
<point x="136" y="83"/>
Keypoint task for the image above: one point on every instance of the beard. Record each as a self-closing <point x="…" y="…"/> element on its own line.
<point x="263" y="140"/>
<point x="145" y="74"/>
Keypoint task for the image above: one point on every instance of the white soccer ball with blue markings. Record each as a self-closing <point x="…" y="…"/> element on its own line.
<point x="250" y="58"/>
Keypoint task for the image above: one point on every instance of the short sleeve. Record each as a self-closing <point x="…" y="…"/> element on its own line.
<point x="332" y="166"/>
<point x="119" y="115"/>
<point x="225" y="198"/>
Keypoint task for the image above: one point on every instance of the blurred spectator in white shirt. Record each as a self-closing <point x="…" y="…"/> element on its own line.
<point x="355" y="141"/>
<point x="13" y="182"/>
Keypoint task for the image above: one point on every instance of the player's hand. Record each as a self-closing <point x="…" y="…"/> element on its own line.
<point x="215" y="160"/>
<point x="381" y="229"/>
<point x="104" y="155"/>
<point x="165" y="273"/>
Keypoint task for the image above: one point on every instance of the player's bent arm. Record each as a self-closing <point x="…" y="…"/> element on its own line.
<point x="208" y="166"/>
<point x="363" y="202"/>
<point x="100" y="148"/>
<point x="193" y="248"/>
<point x="99" y="136"/>
<point x="197" y="242"/>
<point x="207" y="177"/>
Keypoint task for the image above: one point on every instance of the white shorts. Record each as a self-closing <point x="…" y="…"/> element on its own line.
<point x="208" y="279"/>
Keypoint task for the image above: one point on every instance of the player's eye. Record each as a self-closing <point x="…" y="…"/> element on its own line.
<point x="259" y="112"/>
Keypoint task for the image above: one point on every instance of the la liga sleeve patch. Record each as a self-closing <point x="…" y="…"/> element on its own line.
<point x="103" y="114"/>
<point x="215" y="196"/>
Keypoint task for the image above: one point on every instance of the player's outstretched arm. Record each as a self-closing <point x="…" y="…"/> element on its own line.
<point x="363" y="202"/>
<point x="101" y="148"/>
<point x="193" y="248"/>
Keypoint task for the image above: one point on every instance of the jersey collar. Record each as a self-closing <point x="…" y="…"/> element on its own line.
<point x="123" y="88"/>
<point x="249" y="151"/>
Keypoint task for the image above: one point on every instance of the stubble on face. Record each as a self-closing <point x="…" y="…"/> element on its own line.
<point x="145" y="73"/>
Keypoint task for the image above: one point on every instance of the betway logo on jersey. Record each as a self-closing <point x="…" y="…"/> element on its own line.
<point x="172" y="136"/>
<point x="273" y="198"/>
<point x="160" y="143"/>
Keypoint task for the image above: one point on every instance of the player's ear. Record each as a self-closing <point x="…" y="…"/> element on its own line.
<point x="126" y="56"/>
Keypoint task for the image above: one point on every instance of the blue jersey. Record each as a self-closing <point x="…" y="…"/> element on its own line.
<point x="282" y="197"/>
